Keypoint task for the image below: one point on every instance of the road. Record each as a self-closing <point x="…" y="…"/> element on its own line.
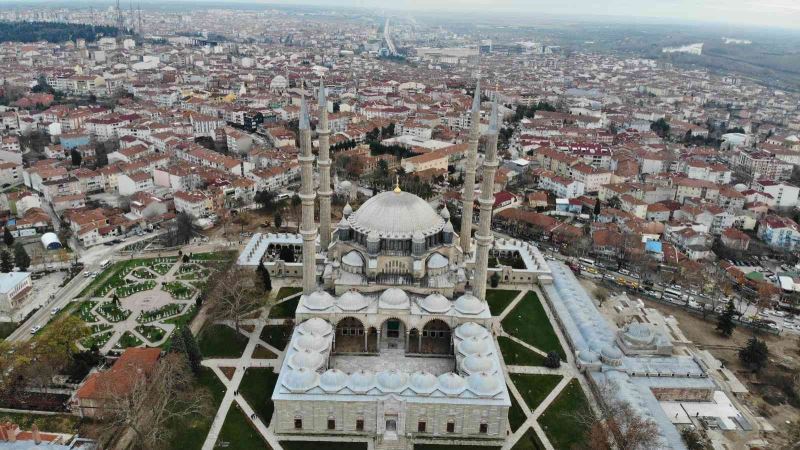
<point x="388" y="38"/>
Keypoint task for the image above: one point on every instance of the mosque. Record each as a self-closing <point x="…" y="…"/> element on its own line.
<point x="393" y="340"/>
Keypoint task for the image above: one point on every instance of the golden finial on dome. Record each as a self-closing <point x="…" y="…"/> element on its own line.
<point x="397" y="184"/>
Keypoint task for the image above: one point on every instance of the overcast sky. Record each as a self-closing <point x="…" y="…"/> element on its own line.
<point x="783" y="13"/>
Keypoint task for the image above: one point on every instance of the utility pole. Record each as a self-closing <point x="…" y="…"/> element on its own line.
<point x="120" y="24"/>
<point x="141" y="30"/>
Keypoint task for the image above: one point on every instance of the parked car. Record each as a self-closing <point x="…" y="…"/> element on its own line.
<point x="35" y="329"/>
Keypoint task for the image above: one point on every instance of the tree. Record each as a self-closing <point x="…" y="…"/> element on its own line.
<point x="660" y="127"/>
<point x="601" y="294"/>
<point x="755" y="354"/>
<point x="725" y="324"/>
<point x="184" y="227"/>
<point x="618" y="426"/>
<point x="263" y="272"/>
<point x="153" y="402"/>
<point x="278" y="219"/>
<point x="266" y="199"/>
<point x="76" y="157"/>
<point x="286" y="254"/>
<point x="693" y="440"/>
<point x="233" y="297"/>
<point x="21" y="258"/>
<point x="6" y="263"/>
<point x="552" y="360"/>
<point x="494" y="280"/>
<point x="597" y="207"/>
<point x="614" y="202"/>
<point x="8" y="238"/>
<point x="193" y="353"/>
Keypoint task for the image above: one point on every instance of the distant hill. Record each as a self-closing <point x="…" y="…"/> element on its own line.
<point x="54" y="32"/>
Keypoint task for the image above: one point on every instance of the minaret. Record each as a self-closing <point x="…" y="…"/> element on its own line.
<point x="469" y="179"/>
<point x="308" y="228"/>
<point x="324" y="171"/>
<point x="483" y="237"/>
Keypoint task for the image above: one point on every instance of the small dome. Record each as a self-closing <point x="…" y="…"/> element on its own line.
<point x="318" y="301"/>
<point x="394" y="298"/>
<point x="361" y="381"/>
<point x="588" y="357"/>
<point x="638" y="333"/>
<point x="343" y="224"/>
<point x="422" y="382"/>
<point x="373" y="237"/>
<point x="445" y="213"/>
<point x="306" y="359"/>
<point x="611" y="355"/>
<point x="469" y="304"/>
<point x="347" y="209"/>
<point x="435" y="303"/>
<point x="477" y="363"/>
<point x="474" y="346"/>
<point x="333" y="380"/>
<point x="300" y="380"/>
<point x="353" y="259"/>
<point x="451" y="383"/>
<point x="316" y="326"/>
<point x="392" y="381"/>
<point x="352" y="301"/>
<point x="437" y="261"/>
<point x="484" y="384"/>
<point x="471" y="329"/>
<point x="311" y="342"/>
<point x="418" y="237"/>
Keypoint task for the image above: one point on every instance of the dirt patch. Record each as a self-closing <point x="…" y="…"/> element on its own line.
<point x="248" y="328"/>
<point x="263" y="353"/>
<point x="228" y="371"/>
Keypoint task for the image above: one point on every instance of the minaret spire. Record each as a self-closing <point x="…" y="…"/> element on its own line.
<point x="324" y="164"/>
<point x="308" y="228"/>
<point x="484" y="237"/>
<point x="469" y="178"/>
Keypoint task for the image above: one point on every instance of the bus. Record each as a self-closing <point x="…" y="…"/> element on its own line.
<point x="586" y="261"/>
<point x="673" y="294"/>
<point x="105" y="264"/>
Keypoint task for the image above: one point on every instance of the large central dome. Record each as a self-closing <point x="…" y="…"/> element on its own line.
<point x="398" y="215"/>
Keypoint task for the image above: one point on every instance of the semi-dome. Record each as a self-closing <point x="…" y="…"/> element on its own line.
<point x="311" y="342"/>
<point x="333" y="380"/>
<point x="317" y="326"/>
<point x="394" y="298"/>
<point x="437" y="261"/>
<point x="353" y="259"/>
<point x="392" y="381"/>
<point x="422" y="382"/>
<point x="474" y="346"/>
<point x="361" y="381"/>
<point x="477" y="363"/>
<point x="318" y="301"/>
<point x="484" y="384"/>
<point x="352" y="301"/>
<point x="435" y="303"/>
<point x="451" y="383"/>
<point x="469" y="304"/>
<point x="306" y="359"/>
<point x="300" y="380"/>
<point x="396" y="214"/>
<point x="611" y="355"/>
<point x="471" y="329"/>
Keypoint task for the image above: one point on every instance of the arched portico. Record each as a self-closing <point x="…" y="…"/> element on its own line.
<point x="351" y="336"/>
<point x="436" y="338"/>
<point x="392" y="334"/>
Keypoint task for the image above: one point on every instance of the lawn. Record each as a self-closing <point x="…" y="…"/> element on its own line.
<point x="112" y="312"/>
<point x="516" y="416"/>
<point x="516" y="354"/>
<point x="222" y="341"/>
<point x="529" y="441"/>
<point x="96" y="340"/>
<point x="276" y="335"/>
<point x="558" y="420"/>
<point x="128" y="340"/>
<point x="499" y="299"/>
<point x="284" y="310"/>
<point x="256" y="387"/>
<point x="57" y="423"/>
<point x="287" y="291"/>
<point x="534" y="388"/>
<point x="159" y="313"/>
<point x="84" y="311"/>
<point x="133" y="288"/>
<point x="190" y="432"/>
<point x="316" y="445"/>
<point x="528" y="321"/>
<point x="143" y="273"/>
<point x="178" y="290"/>
<point x="452" y="447"/>
<point x="238" y="433"/>
<point x="152" y="333"/>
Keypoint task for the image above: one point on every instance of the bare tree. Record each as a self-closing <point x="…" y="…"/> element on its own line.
<point x="234" y="296"/>
<point x="618" y="426"/>
<point x="143" y="406"/>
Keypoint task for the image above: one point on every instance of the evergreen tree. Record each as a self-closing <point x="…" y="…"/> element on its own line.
<point x="177" y="344"/>
<point x="8" y="238"/>
<point x="552" y="361"/>
<point x="192" y="349"/>
<point x="21" y="258"/>
<point x="725" y="324"/>
<point x="76" y="157"/>
<point x="6" y="263"/>
<point x="597" y="207"/>
<point x="287" y="254"/>
<point x="264" y="274"/>
<point x="494" y="280"/>
<point x="755" y="354"/>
